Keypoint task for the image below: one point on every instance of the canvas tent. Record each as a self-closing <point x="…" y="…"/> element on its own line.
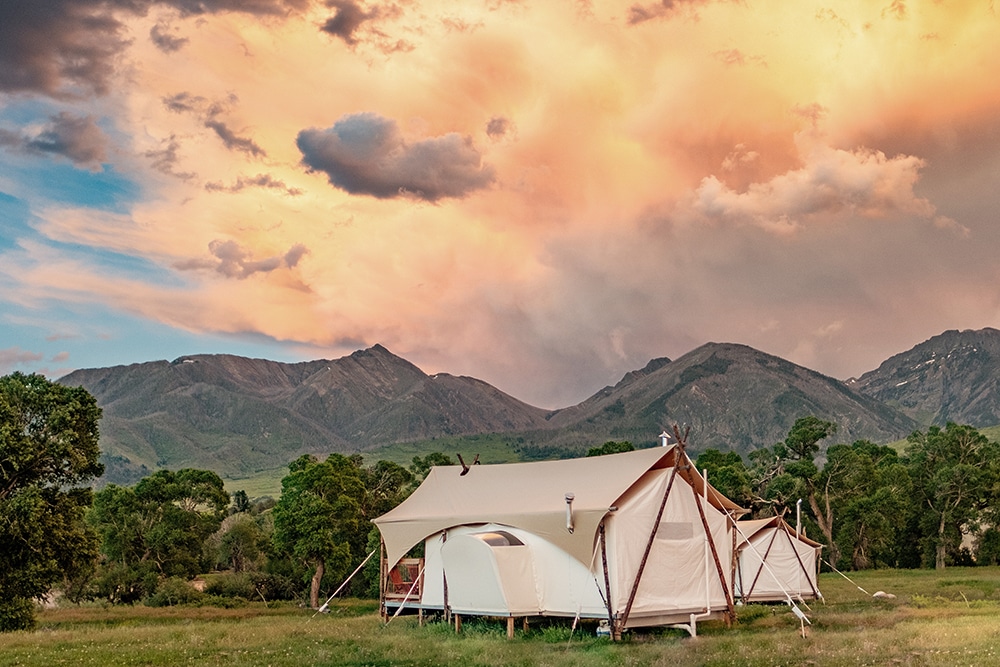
<point x="773" y="563"/>
<point x="620" y="537"/>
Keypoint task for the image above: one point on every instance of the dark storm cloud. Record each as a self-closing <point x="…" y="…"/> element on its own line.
<point x="68" y="47"/>
<point x="76" y="138"/>
<point x="234" y="261"/>
<point x="258" y="181"/>
<point x="365" y="154"/>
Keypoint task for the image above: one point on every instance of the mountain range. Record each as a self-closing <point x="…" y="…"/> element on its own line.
<point x="238" y="416"/>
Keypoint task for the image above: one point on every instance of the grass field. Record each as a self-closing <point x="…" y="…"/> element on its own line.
<point x="948" y="618"/>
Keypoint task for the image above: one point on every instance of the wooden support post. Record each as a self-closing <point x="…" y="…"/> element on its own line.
<point x="420" y="616"/>
<point x="510" y="627"/>
<point x="458" y="623"/>
<point x="444" y="583"/>
<point x="524" y="625"/>
<point x="607" y="583"/>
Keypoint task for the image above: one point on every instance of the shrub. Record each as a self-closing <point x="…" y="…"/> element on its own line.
<point x="173" y="591"/>
<point x="252" y="586"/>
<point x="16" y="614"/>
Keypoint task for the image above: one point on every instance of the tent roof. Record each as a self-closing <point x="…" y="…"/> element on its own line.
<point x="531" y="496"/>
<point x="750" y="527"/>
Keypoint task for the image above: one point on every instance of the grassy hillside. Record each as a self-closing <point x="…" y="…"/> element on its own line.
<point x="937" y="619"/>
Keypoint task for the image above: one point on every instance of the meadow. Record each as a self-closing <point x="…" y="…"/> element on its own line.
<point x="937" y="618"/>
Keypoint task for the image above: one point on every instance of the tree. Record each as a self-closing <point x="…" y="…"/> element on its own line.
<point x="318" y="519"/>
<point x="155" y="529"/>
<point x="611" y="447"/>
<point x="386" y="485"/>
<point x="955" y="478"/>
<point x="803" y="439"/>
<point x="421" y="466"/>
<point x="48" y="447"/>
<point x="728" y="474"/>
<point x="868" y="489"/>
<point x="241" y="503"/>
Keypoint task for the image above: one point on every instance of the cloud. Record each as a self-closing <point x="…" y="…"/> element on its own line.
<point x="642" y="13"/>
<point x="185" y="102"/>
<point x="498" y="127"/>
<point x="366" y="154"/>
<point x="164" y="39"/>
<point x="164" y="159"/>
<point x="76" y="138"/>
<point x="15" y="356"/>
<point x="233" y="141"/>
<point x="861" y="182"/>
<point x="258" y="181"/>
<point x="235" y="261"/>
<point x="67" y="48"/>
<point x="348" y="18"/>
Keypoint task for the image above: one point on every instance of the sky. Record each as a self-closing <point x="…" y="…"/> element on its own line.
<point x="541" y="195"/>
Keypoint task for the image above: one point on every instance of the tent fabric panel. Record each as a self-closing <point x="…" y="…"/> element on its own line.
<point x="526" y="495"/>
<point x="529" y="496"/>
<point x="517" y="577"/>
<point x="784" y="572"/>
<point x="474" y="583"/>
<point x="678" y="577"/>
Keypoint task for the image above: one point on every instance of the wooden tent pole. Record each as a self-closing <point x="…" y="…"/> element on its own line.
<point x="802" y="566"/>
<point x="607" y="581"/>
<point x="444" y="581"/>
<point x="617" y="629"/>
<point x="763" y="561"/>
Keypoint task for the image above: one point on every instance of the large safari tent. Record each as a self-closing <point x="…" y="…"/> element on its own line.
<point x="637" y="538"/>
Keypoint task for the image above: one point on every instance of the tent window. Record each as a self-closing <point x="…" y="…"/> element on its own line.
<point x="499" y="538"/>
<point x="675" y="530"/>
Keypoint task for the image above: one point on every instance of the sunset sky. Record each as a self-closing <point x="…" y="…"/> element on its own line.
<point x="542" y="195"/>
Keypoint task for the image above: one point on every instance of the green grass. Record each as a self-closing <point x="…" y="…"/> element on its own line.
<point x="937" y="618"/>
<point x="264" y="483"/>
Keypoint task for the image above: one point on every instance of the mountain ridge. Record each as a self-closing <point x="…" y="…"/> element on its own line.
<point x="239" y="416"/>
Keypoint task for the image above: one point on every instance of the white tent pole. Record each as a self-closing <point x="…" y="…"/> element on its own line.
<point x="324" y="605"/>
<point x="407" y="596"/>
<point x="845" y="577"/>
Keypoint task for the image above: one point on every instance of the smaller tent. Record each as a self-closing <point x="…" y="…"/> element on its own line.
<point x="774" y="563"/>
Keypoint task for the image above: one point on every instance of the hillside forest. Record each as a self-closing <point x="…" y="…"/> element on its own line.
<point x="931" y="505"/>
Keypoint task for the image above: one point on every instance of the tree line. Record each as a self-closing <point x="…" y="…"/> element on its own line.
<point x="934" y="504"/>
<point x="871" y="506"/>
